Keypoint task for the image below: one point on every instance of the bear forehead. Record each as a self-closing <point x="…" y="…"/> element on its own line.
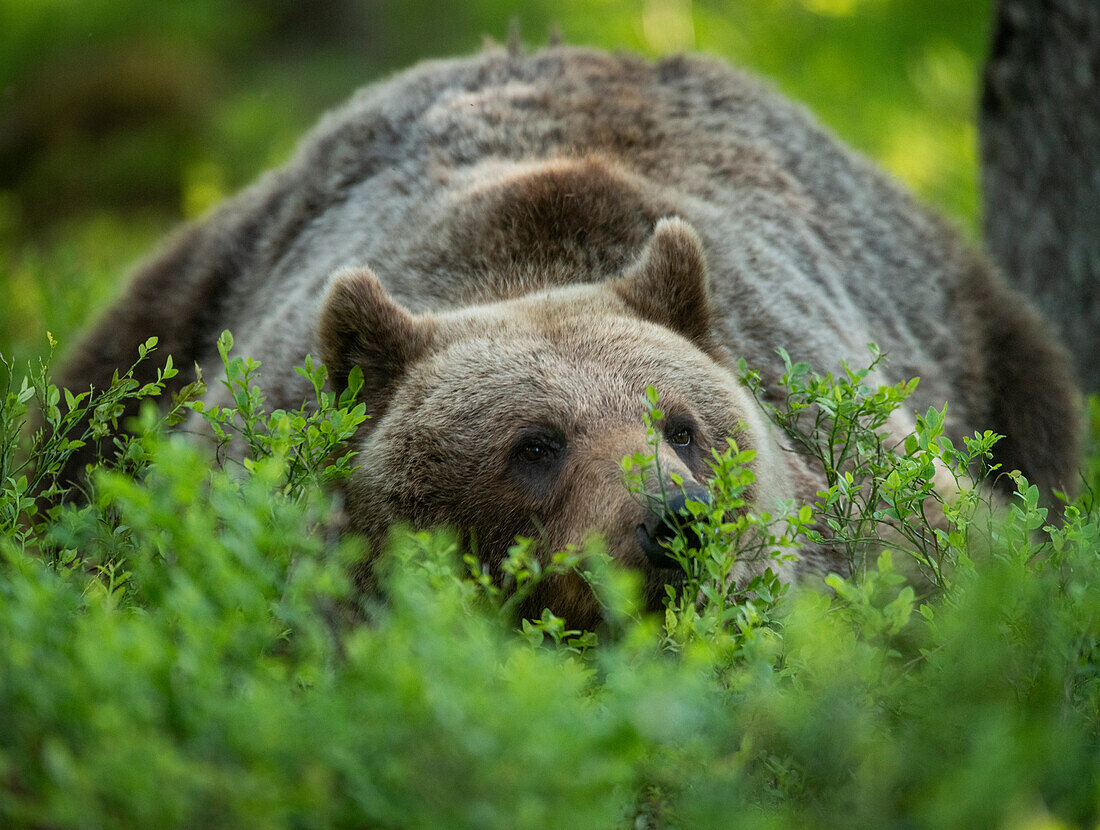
<point x="569" y="371"/>
<point x="568" y="340"/>
<point x="584" y="321"/>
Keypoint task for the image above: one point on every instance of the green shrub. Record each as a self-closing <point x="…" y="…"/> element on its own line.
<point x="186" y="648"/>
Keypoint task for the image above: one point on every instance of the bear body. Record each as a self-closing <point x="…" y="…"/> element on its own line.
<point x="513" y="247"/>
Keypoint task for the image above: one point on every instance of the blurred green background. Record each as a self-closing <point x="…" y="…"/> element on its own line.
<point x="121" y="118"/>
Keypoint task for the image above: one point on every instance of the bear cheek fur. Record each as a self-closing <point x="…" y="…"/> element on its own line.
<point x="424" y="464"/>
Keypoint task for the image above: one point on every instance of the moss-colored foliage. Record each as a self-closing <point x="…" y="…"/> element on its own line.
<point x="187" y="650"/>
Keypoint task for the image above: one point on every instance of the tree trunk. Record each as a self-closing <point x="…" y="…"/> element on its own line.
<point x="1040" y="146"/>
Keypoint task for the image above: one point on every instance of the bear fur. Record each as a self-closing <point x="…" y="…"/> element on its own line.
<point x="513" y="247"/>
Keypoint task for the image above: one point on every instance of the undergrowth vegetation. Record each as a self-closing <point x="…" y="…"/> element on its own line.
<point x="185" y="647"/>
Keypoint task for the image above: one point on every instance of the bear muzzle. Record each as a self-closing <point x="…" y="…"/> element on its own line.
<point x="662" y="524"/>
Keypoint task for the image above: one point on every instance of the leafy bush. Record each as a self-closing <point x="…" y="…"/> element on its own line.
<point x="186" y="649"/>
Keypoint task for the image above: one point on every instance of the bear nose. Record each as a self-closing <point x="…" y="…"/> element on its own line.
<point x="660" y="526"/>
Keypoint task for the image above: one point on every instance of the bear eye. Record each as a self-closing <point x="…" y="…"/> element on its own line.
<point x="679" y="437"/>
<point x="537" y="447"/>
<point x="532" y="451"/>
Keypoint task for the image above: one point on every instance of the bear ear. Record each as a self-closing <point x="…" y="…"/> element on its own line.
<point x="668" y="283"/>
<point x="362" y="326"/>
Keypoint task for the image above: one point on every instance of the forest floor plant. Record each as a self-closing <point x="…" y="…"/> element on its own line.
<point x="176" y="650"/>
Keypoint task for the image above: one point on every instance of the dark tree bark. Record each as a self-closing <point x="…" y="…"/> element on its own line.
<point x="1040" y="146"/>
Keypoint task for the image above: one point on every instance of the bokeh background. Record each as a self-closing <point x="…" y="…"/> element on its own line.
<point x="121" y="118"/>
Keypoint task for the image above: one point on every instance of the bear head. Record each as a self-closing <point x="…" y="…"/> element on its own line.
<point x="512" y="418"/>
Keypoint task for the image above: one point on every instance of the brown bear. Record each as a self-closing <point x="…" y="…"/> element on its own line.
<point x="513" y="247"/>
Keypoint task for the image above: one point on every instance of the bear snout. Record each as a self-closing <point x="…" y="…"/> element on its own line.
<point x="660" y="526"/>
